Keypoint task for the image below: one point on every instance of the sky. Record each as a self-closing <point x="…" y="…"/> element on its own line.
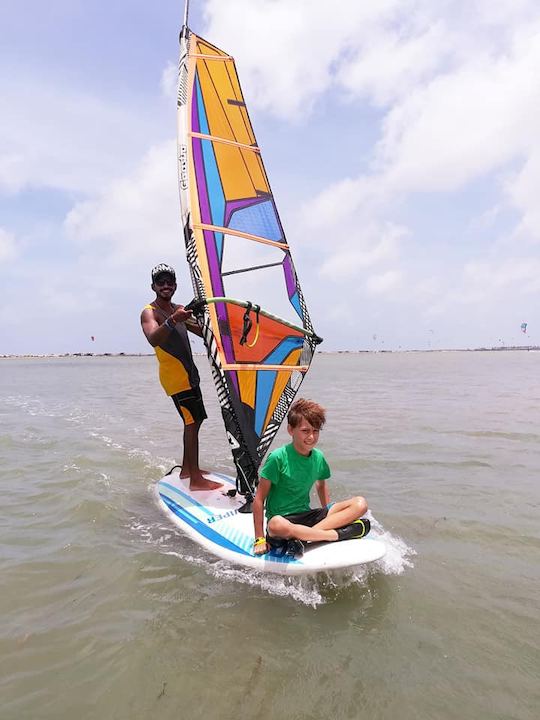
<point x="400" y="138"/>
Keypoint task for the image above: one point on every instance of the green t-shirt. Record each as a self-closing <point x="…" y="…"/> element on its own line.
<point x="292" y="476"/>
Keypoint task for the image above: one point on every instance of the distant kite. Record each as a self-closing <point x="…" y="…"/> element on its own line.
<point x="92" y="338"/>
<point x="524" y="328"/>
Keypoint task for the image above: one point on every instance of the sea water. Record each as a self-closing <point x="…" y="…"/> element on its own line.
<point x="108" y="611"/>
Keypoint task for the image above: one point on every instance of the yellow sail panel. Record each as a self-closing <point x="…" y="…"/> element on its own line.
<point x="204" y="47"/>
<point x="241" y="172"/>
<point x="227" y="115"/>
<point x="247" y="381"/>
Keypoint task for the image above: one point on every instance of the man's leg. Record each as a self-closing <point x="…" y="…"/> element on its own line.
<point x="190" y="461"/>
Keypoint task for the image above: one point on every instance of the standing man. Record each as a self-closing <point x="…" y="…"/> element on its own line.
<point x="165" y="326"/>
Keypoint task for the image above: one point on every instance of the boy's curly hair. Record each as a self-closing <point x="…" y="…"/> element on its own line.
<point x="311" y="411"/>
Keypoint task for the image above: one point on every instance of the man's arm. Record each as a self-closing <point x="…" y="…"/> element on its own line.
<point x="263" y="489"/>
<point x="156" y="333"/>
<point x="322" y="492"/>
<point x="193" y="326"/>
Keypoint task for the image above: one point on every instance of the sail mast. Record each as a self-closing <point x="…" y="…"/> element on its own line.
<point x="186" y="13"/>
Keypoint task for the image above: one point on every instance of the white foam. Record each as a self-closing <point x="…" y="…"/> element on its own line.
<point x="398" y="553"/>
<point x="313" y="590"/>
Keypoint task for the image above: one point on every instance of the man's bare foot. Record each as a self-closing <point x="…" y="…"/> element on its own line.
<point x="185" y="473"/>
<point x="204" y="484"/>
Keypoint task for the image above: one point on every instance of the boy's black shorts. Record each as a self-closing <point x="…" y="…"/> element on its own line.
<point x="309" y="518"/>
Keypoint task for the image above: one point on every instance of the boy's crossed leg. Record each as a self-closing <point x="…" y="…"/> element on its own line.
<point x="339" y="515"/>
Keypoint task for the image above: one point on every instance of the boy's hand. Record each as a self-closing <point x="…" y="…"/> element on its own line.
<point x="260" y="546"/>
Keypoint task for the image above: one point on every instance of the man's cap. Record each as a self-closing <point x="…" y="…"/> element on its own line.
<point x="162" y="269"/>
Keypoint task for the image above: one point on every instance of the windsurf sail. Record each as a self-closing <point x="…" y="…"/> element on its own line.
<point x="248" y="302"/>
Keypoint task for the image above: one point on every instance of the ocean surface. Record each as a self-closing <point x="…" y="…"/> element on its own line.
<point x="107" y="611"/>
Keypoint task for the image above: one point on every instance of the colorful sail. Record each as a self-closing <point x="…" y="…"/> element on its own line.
<point x="255" y="323"/>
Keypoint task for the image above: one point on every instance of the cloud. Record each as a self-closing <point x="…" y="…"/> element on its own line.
<point x="449" y="91"/>
<point x="502" y="282"/>
<point x="359" y="248"/>
<point x="7" y="245"/>
<point x="287" y="52"/>
<point x="457" y="112"/>
<point x="169" y="81"/>
<point x="59" y="137"/>
<point x="383" y="283"/>
<point x="520" y="274"/>
<point x="387" y="66"/>
<point x="460" y="88"/>
<point x="135" y="220"/>
<point x="522" y="192"/>
<point x="463" y="124"/>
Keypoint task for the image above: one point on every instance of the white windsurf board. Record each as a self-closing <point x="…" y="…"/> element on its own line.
<point x="212" y="519"/>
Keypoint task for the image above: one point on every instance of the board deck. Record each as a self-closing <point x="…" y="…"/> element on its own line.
<point x="212" y="520"/>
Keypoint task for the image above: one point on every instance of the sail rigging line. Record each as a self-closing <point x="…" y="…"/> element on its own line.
<point x="258" y="327"/>
<point x="248" y="269"/>
<point x="248" y="324"/>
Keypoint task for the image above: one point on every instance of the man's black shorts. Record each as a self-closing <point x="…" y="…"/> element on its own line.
<point x="189" y="404"/>
<point x="309" y="518"/>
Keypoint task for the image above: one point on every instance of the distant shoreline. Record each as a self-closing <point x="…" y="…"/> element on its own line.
<point x="319" y="352"/>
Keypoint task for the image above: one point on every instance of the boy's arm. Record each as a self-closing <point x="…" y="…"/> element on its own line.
<point x="322" y="492"/>
<point x="263" y="489"/>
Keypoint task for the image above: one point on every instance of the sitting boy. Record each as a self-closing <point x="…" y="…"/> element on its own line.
<point x="285" y="483"/>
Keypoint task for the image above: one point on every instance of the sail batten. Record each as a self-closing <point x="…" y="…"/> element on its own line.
<point x="273" y="368"/>
<point x="201" y="56"/>
<point x="259" y="346"/>
<point x="225" y="141"/>
<point x="239" y="233"/>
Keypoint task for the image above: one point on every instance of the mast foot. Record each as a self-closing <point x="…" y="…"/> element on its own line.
<point x="247" y="507"/>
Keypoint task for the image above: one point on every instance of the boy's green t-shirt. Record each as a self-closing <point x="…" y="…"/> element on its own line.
<point x="292" y="476"/>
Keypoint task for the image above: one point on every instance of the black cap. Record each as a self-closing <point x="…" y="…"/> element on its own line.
<point x="163" y="269"/>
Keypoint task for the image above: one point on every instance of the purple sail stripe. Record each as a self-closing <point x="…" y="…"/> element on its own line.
<point x="289" y="275"/>
<point x="234" y="205"/>
<point x="226" y="340"/>
<point x="217" y="289"/>
<point x="233" y="377"/>
<point x="213" y="263"/>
